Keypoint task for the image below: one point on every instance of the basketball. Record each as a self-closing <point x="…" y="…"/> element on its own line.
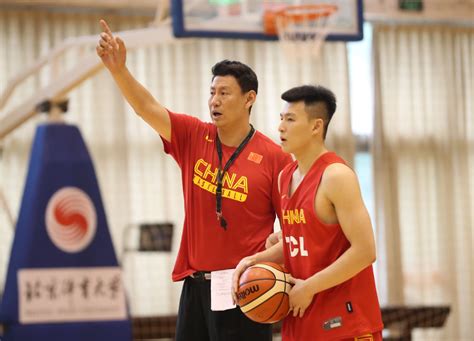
<point x="263" y="292"/>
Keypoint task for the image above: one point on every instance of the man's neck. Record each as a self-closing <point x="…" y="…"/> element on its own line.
<point x="234" y="136"/>
<point x="308" y="156"/>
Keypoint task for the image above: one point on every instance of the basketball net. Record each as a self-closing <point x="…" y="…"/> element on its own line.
<point x="302" y="30"/>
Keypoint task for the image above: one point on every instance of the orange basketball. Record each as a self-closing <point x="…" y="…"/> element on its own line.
<point x="263" y="292"/>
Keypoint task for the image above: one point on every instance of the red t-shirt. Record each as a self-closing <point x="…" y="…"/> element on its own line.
<point x="250" y="196"/>
<point x="347" y="310"/>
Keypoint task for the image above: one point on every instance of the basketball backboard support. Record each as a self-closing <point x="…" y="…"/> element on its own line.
<point x="243" y="19"/>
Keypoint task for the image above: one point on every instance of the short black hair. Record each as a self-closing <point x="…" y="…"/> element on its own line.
<point x="311" y="95"/>
<point x="244" y="75"/>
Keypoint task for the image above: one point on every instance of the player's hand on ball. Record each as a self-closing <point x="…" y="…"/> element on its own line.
<point x="241" y="267"/>
<point x="300" y="297"/>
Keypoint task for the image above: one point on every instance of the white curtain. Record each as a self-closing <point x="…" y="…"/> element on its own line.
<point x="424" y="169"/>
<point x="138" y="182"/>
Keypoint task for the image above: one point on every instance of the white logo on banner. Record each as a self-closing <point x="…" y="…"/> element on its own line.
<point x="71" y="294"/>
<point x="71" y="219"/>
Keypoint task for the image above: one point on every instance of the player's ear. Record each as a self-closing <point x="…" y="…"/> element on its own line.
<point x="318" y="126"/>
<point x="251" y="96"/>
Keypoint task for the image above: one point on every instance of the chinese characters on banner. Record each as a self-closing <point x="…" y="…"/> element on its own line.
<point x="71" y="294"/>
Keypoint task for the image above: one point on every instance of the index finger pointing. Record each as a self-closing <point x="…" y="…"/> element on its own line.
<point x="106" y="27"/>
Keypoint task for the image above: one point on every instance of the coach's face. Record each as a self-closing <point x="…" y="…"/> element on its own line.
<point x="228" y="105"/>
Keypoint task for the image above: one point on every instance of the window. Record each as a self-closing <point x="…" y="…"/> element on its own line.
<point x="362" y="116"/>
<point x="362" y="111"/>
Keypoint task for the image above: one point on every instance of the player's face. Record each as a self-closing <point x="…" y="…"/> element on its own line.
<point x="296" y="127"/>
<point x="228" y="105"/>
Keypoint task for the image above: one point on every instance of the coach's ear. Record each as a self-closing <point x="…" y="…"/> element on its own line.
<point x="251" y="96"/>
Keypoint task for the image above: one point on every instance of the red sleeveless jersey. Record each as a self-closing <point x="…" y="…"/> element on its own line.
<point x="343" y="311"/>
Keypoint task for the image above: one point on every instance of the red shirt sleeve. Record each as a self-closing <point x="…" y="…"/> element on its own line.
<point x="182" y="128"/>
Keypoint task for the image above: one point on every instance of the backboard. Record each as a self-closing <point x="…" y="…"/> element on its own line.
<point x="244" y="18"/>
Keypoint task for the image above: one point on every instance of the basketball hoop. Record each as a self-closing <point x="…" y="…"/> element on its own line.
<point x="301" y="29"/>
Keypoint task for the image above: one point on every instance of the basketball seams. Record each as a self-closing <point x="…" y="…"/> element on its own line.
<point x="283" y="295"/>
<point x="264" y="305"/>
<point x="264" y="297"/>
<point x="266" y="267"/>
<point x="278" y="274"/>
<point x="279" y="305"/>
<point x="262" y="279"/>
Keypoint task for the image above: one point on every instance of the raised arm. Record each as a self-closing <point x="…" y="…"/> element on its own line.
<point x="113" y="53"/>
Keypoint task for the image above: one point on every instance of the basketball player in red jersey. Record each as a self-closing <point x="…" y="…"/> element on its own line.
<point x="227" y="168"/>
<point x="327" y="243"/>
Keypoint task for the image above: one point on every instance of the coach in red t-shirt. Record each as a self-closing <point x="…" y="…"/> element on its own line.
<point x="229" y="179"/>
<point x="327" y="240"/>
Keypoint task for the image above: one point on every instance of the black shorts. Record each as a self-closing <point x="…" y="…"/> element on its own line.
<point x="197" y="322"/>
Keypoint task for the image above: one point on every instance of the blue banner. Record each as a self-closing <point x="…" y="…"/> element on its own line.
<point x="63" y="280"/>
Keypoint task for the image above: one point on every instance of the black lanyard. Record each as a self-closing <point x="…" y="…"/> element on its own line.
<point x="221" y="172"/>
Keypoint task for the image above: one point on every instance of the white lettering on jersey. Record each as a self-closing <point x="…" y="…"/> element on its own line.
<point x="296" y="246"/>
